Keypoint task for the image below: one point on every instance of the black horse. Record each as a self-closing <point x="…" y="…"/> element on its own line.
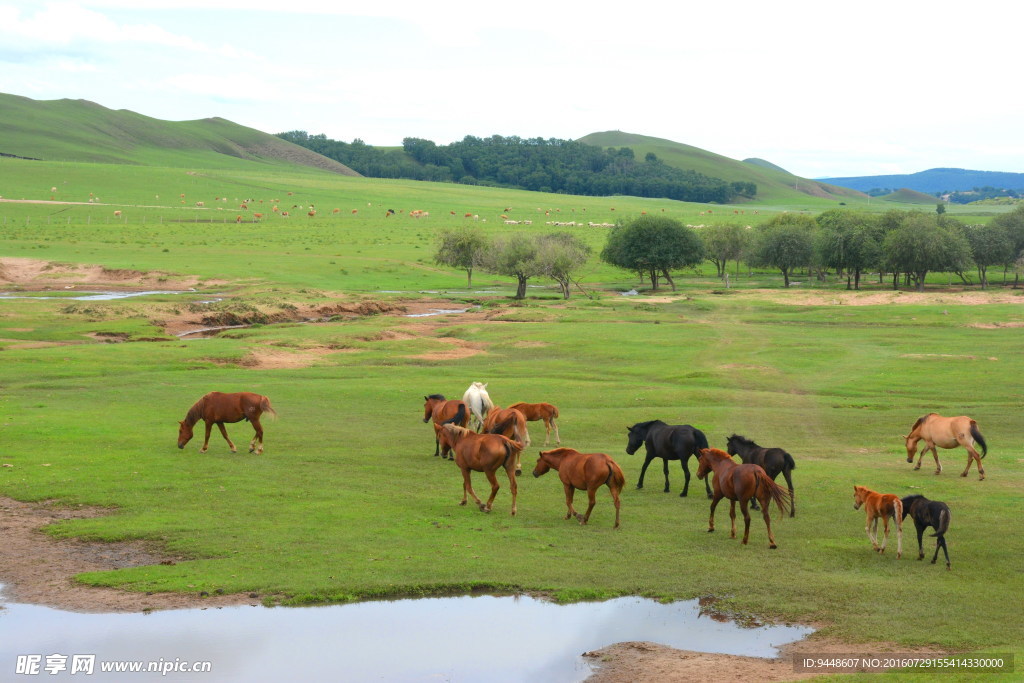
<point x="773" y="460"/>
<point x="928" y="513"/>
<point x="669" y="442"/>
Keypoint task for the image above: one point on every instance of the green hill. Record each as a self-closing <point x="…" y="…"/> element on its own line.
<point x="79" y="130"/>
<point x="773" y="183"/>
<point x="907" y="196"/>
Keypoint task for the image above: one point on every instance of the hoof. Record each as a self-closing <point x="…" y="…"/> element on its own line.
<point x="711" y="531"/>
<point x="681" y="495"/>
<point x="639" y="486"/>
<point x="581" y="519"/>
<point x="462" y="503"/>
<point x="773" y="547"/>
<point x="948" y="568"/>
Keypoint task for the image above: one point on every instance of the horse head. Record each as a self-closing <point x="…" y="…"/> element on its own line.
<point x="636" y="437"/>
<point x="911" y="444"/>
<point x="428" y="405"/>
<point x="184" y="433"/>
<point x="859" y="495"/>
<point x="703" y="463"/>
<point x="542" y="466"/>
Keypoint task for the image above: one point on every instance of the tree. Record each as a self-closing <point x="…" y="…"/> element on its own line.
<point x="921" y="245"/>
<point x="847" y="241"/>
<point x="723" y="242"/>
<point x="785" y="242"/>
<point x="513" y="255"/>
<point x="461" y="248"/>
<point x="990" y="246"/>
<point x="559" y="254"/>
<point x="655" y="245"/>
<point x="1013" y="223"/>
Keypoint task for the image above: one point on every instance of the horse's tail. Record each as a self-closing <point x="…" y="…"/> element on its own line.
<point x="460" y="416"/>
<point x="897" y="512"/>
<point x="777" y="494"/>
<point x="979" y="438"/>
<point x="790" y="463"/>
<point x="554" y="410"/>
<point x="267" y="408"/>
<point x="702" y="440"/>
<point x="943" y="526"/>
<point x="615" y="475"/>
<point x="512" y="448"/>
<point x="500" y="427"/>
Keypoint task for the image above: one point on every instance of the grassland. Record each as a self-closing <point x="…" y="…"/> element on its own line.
<point x="348" y="503"/>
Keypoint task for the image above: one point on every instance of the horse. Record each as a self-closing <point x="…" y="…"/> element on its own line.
<point x="773" y="460"/>
<point x="669" y="442"/>
<point x="439" y="409"/>
<point x="946" y="432"/>
<point x="586" y="472"/>
<point x="928" y="513"/>
<point x="740" y="483"/>
<point x="884" y="506"/>
<point x="479" y="402"/>
<point x="216" y="408"/>
<point x="484" y="453"/>
<point x="541" y="411"/>
<point x="511" y="423"/>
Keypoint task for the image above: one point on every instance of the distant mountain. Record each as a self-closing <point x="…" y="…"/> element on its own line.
<point x="79" y="130"/>
<point x="773" y="183"/>
<point x="908" y="196"/>
<point x="934" y="180"/>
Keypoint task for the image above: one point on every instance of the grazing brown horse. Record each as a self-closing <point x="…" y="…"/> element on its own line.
<point x="541" y="411"/>
<point x="216" y="408"/>
<point x="437" y="408"/>
<point x="484" y="453"/>
<point x="880" y="506"/>
<point x="511" y="423"/>
<point x="946" y="432"/>
<point x="741" y="483"/>
<point x="586" y="472"/>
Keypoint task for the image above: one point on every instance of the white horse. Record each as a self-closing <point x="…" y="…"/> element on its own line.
<point x="479" y="403"/>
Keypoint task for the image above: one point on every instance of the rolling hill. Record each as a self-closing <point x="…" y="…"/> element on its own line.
<point x="773" y="183"/>
<point x="79" y="130"/>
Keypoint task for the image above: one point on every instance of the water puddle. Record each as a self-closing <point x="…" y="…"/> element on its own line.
<point x="485" y="638"/>
<point x="88" y="296"/>
<point x="438" y="311"/>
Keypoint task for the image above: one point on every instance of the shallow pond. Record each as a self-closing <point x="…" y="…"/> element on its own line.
<point x="87" y="296"/>
<point x="483" y="638"/>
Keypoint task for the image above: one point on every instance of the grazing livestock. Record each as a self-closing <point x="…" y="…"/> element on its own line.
<point x="946" y="432"/>
<point x="484" y="453"/>
<point x="509" y="422"/>
<point x="586" y="472"/>
<point x="479" y="402"/>
<point x="773" y="460"/>
<point x="880" y="505"/>
<point x="740" y="483"/>
<point x="216" y="408"/>
<point x="439" y="409"/>
<point x="668" y="442"/>
<point x="117" y="214"/>
<point x="928" y="513"/>
<point x="540" y="411"/>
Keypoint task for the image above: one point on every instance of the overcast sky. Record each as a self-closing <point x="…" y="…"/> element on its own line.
<point x="819" y="88"/>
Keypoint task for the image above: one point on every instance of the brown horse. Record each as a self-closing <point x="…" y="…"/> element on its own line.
<point x="586" y="472"/>
<point x="484" y="453"/>
<point x="511" y="423"/>
<point x="216" y="408"/>
<point x="880" y="506"/>
<point x="741" y="483"/>
<point x="437" y="408"/>
<point x="540" y="411"/>
<point x="946" y="432"/>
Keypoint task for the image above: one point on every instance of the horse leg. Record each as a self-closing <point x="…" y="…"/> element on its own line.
<point x="206" y="441"/>
<point x="615" y="499"/>
<point x="920" y="541"/>
<point x="591" y="500"/>
<point x="871" y="534"/>
<point x="547" y="430"/>
<point x="558" y="439"/>
<point x="765" y="505"/>
<point x="467" y="487"/>
<point x="494" y="490"/>
<point x="935" y="454"/>
<point x="941" y="540"/>
<point x="686" y="471"/>
<point x="732" y="518"/>
<point x="569" y="493"/>
<point x="885" y="529"/>
<point x="643" y="470"/>
<point x="899" y="535"/>
<point x="257" y="438"/>
<point x="224" y="433"/>
<point x="513" y="486"/>
<point x="665" y="470"/>
<point x="973" y="455"/>
<point x="711" y="518"/>
<point x="746" y="520"/>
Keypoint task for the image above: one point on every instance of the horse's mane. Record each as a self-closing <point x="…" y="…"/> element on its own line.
<point x="648" y="424"/>
<point x="919" y="421"/>
<point x="912" y="498"/>
<point x="195" y="413"/>
<point x="744" y="440"/>
<point x="439" y="397"/>
<point x="457" y="429"/>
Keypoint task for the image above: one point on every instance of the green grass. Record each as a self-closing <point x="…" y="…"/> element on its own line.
<point x="347" y="501"/>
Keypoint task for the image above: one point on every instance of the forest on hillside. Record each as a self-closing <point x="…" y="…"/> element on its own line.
<point x="541" y="165"/>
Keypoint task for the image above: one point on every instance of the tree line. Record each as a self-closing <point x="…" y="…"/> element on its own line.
<point x="537" y="164"/>
<point x="904" y="245"/>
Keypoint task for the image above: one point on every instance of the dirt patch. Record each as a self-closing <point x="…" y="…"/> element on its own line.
<point x="36" y="568"/>
<point x="459" y="349"/>
<point x="34" y="275"/>
<point x="995" y="326"/>
<point x="643" y="662"/>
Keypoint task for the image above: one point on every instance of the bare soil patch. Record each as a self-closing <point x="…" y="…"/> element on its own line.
<point x="37" y="568"/>
<point x="35" y="275"/>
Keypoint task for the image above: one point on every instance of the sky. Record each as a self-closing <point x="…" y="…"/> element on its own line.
<point x="822" y="89"/>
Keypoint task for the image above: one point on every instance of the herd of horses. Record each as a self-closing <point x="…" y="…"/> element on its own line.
<point x="501" y="435"/>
